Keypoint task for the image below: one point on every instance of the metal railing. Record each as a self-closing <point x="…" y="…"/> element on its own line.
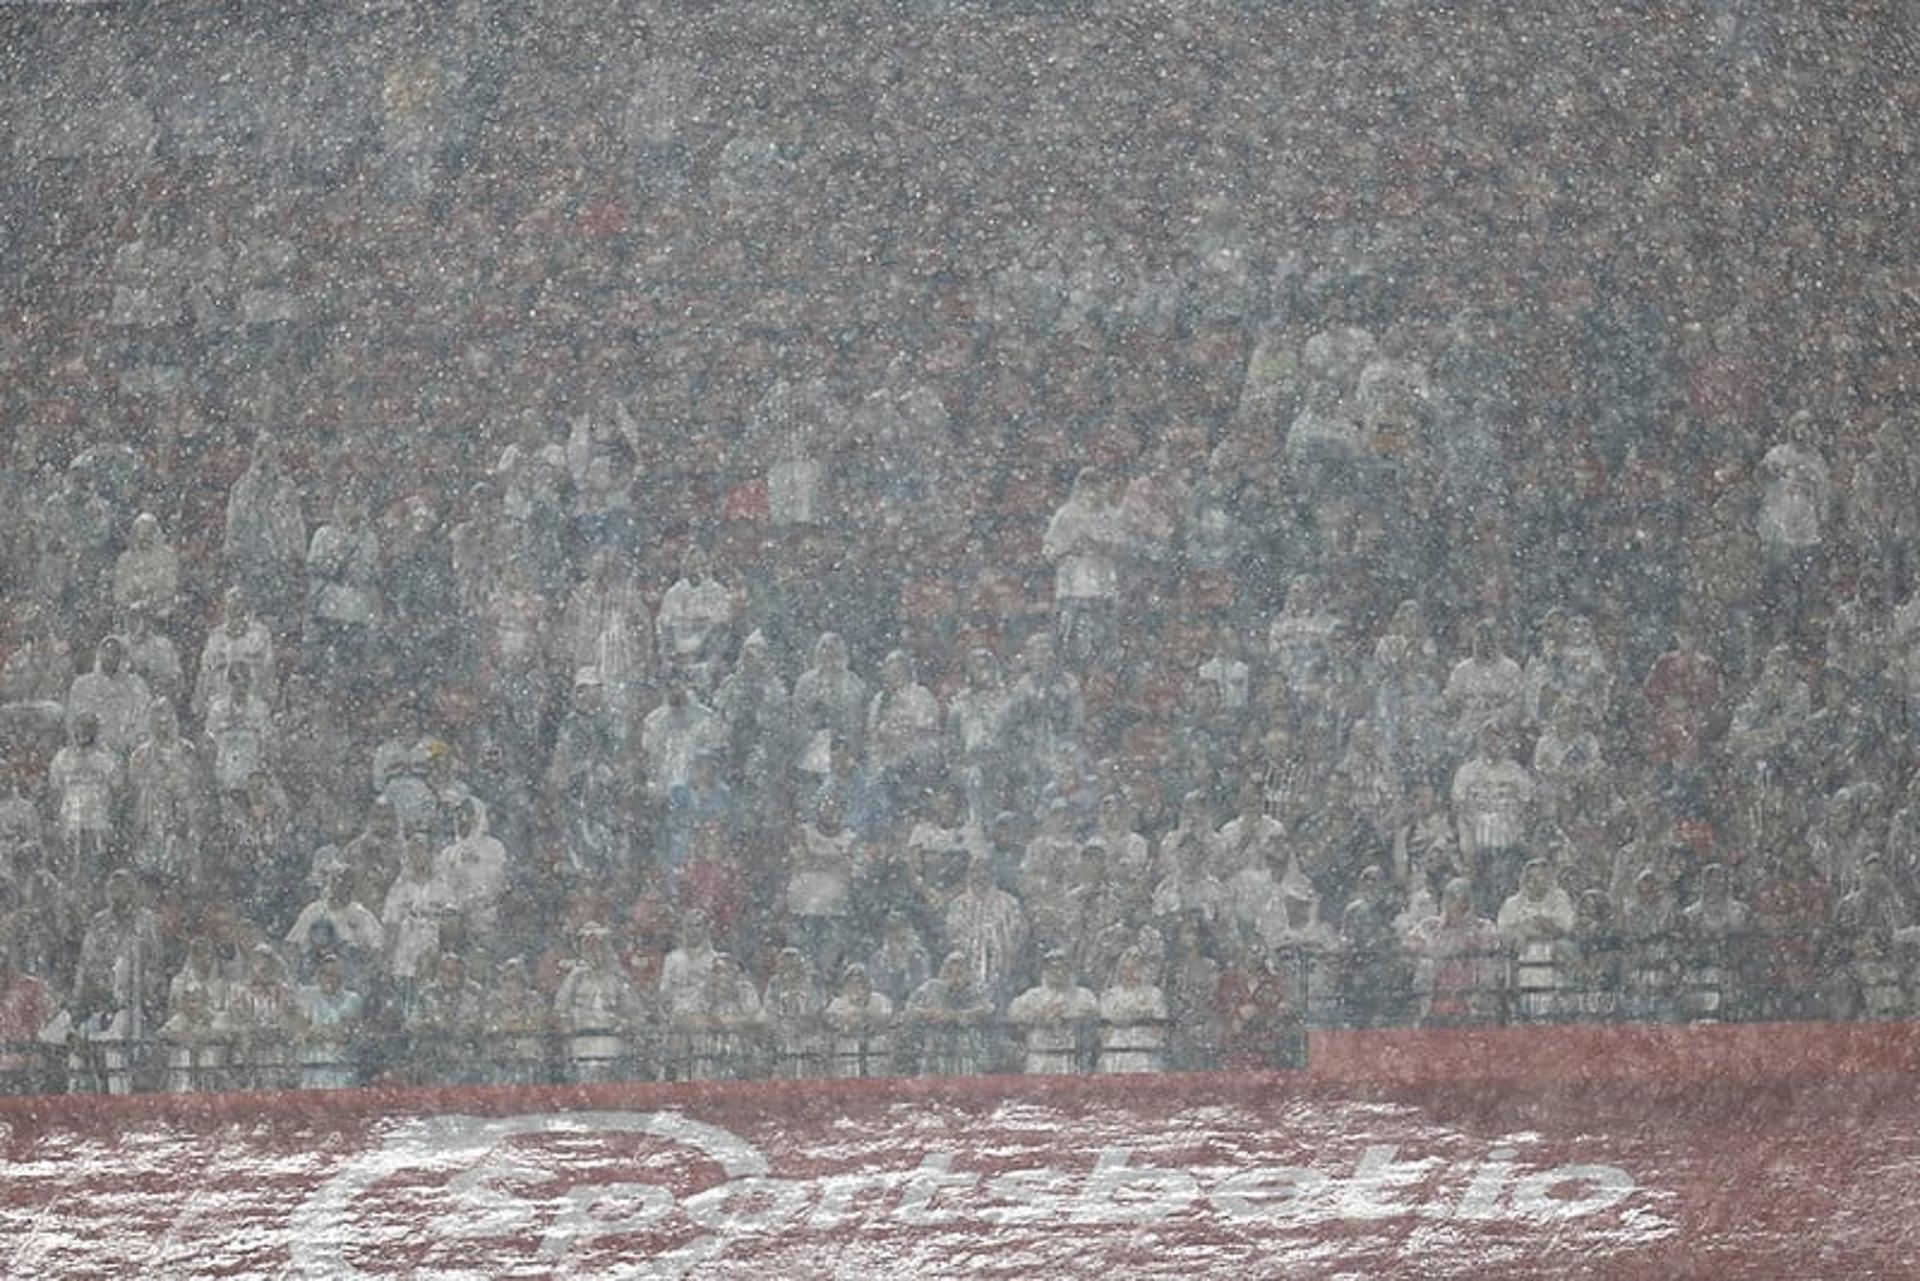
<point x="1675" y="977"/>
<point x="810" y="1047"/>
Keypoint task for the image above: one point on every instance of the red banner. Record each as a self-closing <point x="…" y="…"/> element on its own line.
<point x="1741" y="1175"/>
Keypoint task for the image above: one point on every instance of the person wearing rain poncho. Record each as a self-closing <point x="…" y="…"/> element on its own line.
<point x="1459" y="966"/>
<point x="586" y="782"/>
<point x="598" y="1009"/>
<point x="861" y="1020"/>
<point x="1133" y="1017"/>
<point x="718" y="1023"/>
<point x="946" y="1021"/>
<point x="240" y="639"/>
<point x="471" y="873"/>
<point x="792" y="1007"/>
<point x="1054" y="1016"/>
<point x="147" y="575"/>
<point x="1533" y="921"/>
<point x="1085" y="540"/>
<point x="829" y="708"/>
<point x="605" y="626"/>
<point x="115" y="695"/>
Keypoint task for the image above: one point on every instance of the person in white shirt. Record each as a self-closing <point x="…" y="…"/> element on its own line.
<point x="1054" y="1016"/>
<point x="239" y="729"/>
<point x="85" y="780"/>
<point x="1084" y="540"/>
<point x="471" y="873"/>
<point x="986" y="925"/>
<point x="675" y="732"/>
<point x="817" y="889"/>
<point x="1133" y="1017"/>
<point x="115" y="695"/>
<point x="410" y="916"/>
<point x="1484" y="686"/>
<point x="717" y="1028"/>
<point x="1533" y="921"/>
<point x="598" y="1009"/>
<point x="903" y="725"/>
<point x="683" y="974"/>
<point x="975" y="733"/>
<point x="1493" y="797"/>
<point x="354" y="924"/>
<point x="1226" y="669"/>
<point x="605" y="626"/>
<point x="239" y="640"/>
<point x="861" y="1020"/>
<point x="1252" y="838"/>
<point x="1188" y="885"/>
<point x="696" y="615"/>
<point x="147" y="575"/>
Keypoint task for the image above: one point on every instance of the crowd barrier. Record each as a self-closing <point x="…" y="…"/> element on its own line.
<point x="1660" y="979"/>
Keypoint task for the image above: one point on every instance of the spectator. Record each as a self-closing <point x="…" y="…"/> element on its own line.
<point x="240" y="640"/>
<point x="587" y="784"/>
<point x="146" y="578"/>
<point x="792" y="1007"/>
<point x="470" y="875"/>
<point x="115" y="696"/>
<point x="598" y="1009"/>
<point x="695" y="622"/>
<point x="1055" y="1017"/>
<point x="899" y="964"/>
<point x="261" y="1021"/>
<point x="1486" y="687"/>
<point x="1458" y="959"/>
<point x="515" y="1022"/>
<point x="266" y="533"/>
<point x="444" y="1024"/>
<point x="986" y="926"/>
<point x="168" y="786"/>
<point x="946" y="1021"/>
<point x="1493" y="805"/>
<point x="239" y="730"/>
<point x="1532" y="922"/>
<point x="84" y="777"/>
<point x="1133" y="1017"/>
<point x="330" y="1018"/>
<point x="353" y="924"/>
<point x="861" y="1019"/>
<point x="343" y="595"/>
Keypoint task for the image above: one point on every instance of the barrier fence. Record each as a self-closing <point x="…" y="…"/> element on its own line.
<point x="1258" y="1024"/>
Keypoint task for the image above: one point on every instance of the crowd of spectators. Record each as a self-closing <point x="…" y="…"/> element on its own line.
<point x="706" y="560"/>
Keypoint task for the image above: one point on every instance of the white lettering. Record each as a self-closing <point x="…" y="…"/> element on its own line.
<point x="1248" y="1196"/>
<point x="1031" y="1196"/>
<point x="840" y="1192"/>
<point x="1117" y="1193"/>
<point x="730" y="1208"/>
<point x="1607" y="1186"/>
<point x="1368" y="1192"/>
<point x="932" y="1178"/>
<point x="1482" y="1199"/>
<point x="604" y="1209"/>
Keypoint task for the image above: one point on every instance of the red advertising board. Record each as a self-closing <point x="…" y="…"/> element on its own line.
<point x="1736" y="1170"/>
